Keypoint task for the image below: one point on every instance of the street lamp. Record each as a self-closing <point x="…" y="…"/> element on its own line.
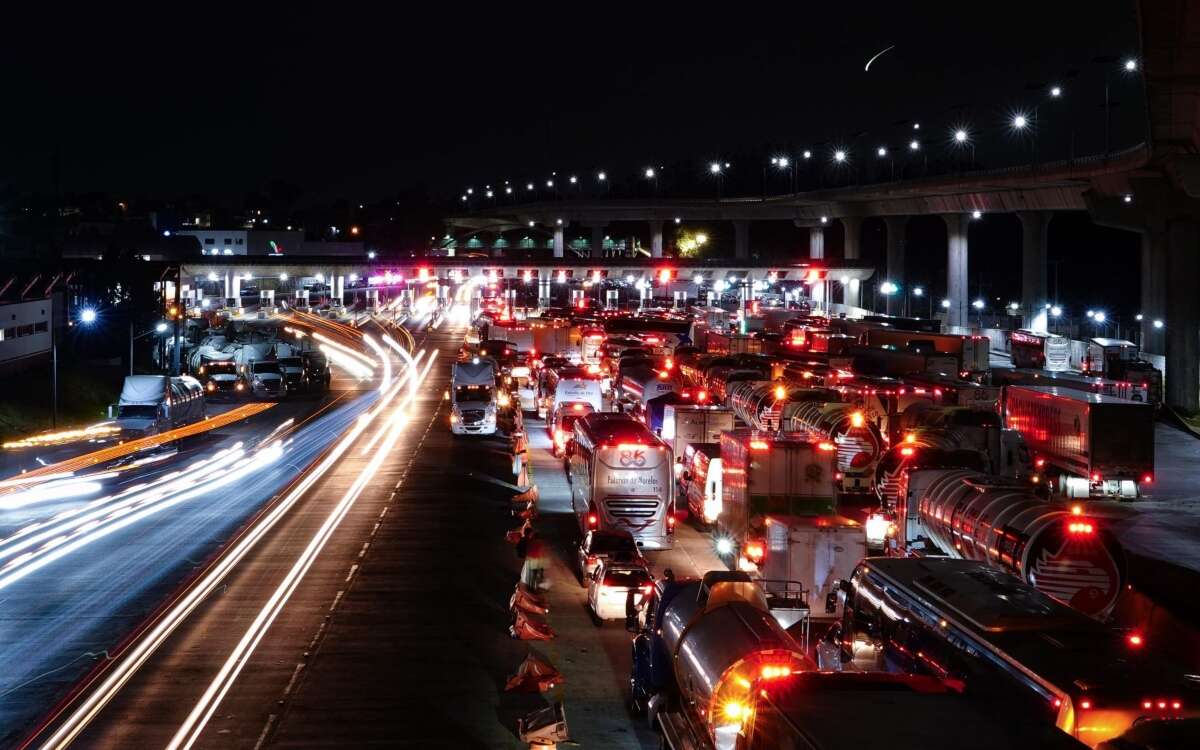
<point x="977" y="304"/>
<point x="649" y="173"/>
<point x="714" y="168"/>
<point x="601" y="177"/>
<point x="914" y="145"/>
<point x="839" y="156"/>
<point x="881" y="152"/>
<point x="1019" y="122"/>
<point x="960" y="136"/>
<point x="945" y="304"/>
<point x="1158" y="323"/>
<point x="977" y="214"/>
<point x="1130" y="65"/>
<point x="88" y="316"/>
<point x="887" y="289"/>
<point x="1055" y="92"/>
<point x="807" y="154"/>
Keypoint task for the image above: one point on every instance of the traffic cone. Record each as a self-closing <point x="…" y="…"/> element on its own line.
<point x="525" y="598"/>
<point x="534" y="676"/>
<point x="527" y="627"/>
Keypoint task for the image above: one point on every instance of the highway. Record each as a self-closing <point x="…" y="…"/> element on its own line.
<point x="383" y="583"/>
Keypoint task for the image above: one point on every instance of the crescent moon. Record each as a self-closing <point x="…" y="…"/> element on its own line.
<point x="876" y="57"/>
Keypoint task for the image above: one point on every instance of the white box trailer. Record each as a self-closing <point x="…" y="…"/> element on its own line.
<point x="817" y="551"/>
<point x="684" y="424"/>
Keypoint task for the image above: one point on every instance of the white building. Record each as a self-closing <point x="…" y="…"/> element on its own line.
<point x="245" y="241"/>
<point x="24" y="333"/>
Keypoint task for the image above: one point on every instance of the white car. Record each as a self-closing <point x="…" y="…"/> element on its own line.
<point x="609" y="587"/>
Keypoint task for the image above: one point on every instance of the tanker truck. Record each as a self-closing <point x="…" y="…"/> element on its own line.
<point x="859" y="441"/>
<point x="714" y="671"/>
<point x="703" y="646"/>
<point x="966" y="514"/>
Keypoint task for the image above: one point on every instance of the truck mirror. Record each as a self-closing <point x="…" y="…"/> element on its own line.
<point x="843" y="586"/>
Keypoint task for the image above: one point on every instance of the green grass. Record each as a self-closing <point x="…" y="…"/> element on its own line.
<point x="84" y="393"/>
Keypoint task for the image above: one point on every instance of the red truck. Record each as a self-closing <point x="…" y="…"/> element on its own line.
<point x="1086" y="444"/>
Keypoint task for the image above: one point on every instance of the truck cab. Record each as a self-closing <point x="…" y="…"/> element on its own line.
<point x="473" y="397"/>
<point x="221" y="379"/>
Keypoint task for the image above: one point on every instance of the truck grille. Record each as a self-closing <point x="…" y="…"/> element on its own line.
<point x="626" y="507"/>
<point x="472" y="416"/>
<point x="271" y="386"/>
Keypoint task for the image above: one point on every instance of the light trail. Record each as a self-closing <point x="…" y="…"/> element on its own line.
<point x="128" y="514"/>
<point x="103" y="429"/>
<point x="386" y="381"/>
<point x="60" y="489"/>
<point x="125" y="665"/>
<point x="200" y="715"/>
<point x="414" y="381"/>
<point x="133" y="446"/>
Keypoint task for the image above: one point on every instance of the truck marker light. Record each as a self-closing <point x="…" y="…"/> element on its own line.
<point x="1076" y="510"/>
<point x="1147" y="704"/>
<point x="1176" y="705"/>
<point x="1135" y="640"/>
<point x="759" y="445"/>
<point x="826" y="446"/>
<point x="910" y="438"/>
<point x="780" y="393"/>
<point x="906" y="451"/>
<point x="857" y="419"/>
<point x="1162" y="704"/>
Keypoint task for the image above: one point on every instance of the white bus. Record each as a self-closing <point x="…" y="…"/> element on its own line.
<point x="622" y="479"/>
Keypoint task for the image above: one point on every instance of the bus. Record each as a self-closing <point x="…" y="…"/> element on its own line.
<point x="1002" y="640"/>
<point x="621" y="478"/>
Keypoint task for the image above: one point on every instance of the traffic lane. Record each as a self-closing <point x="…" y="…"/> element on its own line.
<point x="173" y="457"/>
<point x="417" y="652"/>
<point x="596" y="661"/>
<point x="153" y="706"/>
<point x="56" y="623"/>
<point x="15" y="461"/>
<point x="1176" y="458"/>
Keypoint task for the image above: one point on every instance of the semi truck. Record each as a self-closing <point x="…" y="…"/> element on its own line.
<point x="997" y="520"/>
<point x="704" y="647"/>
<point x="473" y="397"/>
<point x="875" y="360"/>
<point x="150" y="404"/>
<point x="1117" y="359"/>
<point x="972" y="353"/>
<point x="685" y="424"/>
<point x="779" y="513"/>
<point x="1039" y="351"/>
<point x="1085" y="444"/>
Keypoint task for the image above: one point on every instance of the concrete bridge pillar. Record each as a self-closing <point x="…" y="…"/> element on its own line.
<point x="816" y="242"/>
<point x="1182" y="323"/>
<point x="956" y="268"/>
<point x="741" y="240"/>
<point x="1034" y="294"/>
<point x="1154" y="290"/>
<point x="559" y="244"/>
<point x="597" y="246"/>
<point x="897" y="228"/>
<point x="656" y="238"/>
<point x="852" y="225"/>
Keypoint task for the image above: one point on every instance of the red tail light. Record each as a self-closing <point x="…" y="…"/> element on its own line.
<point x="773" y="672"/>
<point x="907" y="451"/>
<point x="1039" y="462"/>
<point x="1085" y="704"/>
<point x="1135" y="640"/>
<point x="826" y="446"/>
<point x="1147" y="479"/>
<point x="1096" y="476"/>
<point x="755" y="552"/>
<point x="593" y="520"/>
<point x="671" y="521"/>
<point x="645" y="588"/>
<point x="702" y="396"/>
<point x="1081" y="528"/>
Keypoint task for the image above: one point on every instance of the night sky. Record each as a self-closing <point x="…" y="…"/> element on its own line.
<point x="361" y="101"/>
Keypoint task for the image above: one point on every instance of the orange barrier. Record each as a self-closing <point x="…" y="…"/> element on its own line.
<point x="534" y="676"/>
<point x="120" y="450"/>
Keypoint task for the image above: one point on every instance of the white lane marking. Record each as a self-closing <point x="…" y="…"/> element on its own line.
<point x="292" y="682"/>
<point x="336" y="599"/>
<point x="262" y="736"/>
<point x="350" y="575"/>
